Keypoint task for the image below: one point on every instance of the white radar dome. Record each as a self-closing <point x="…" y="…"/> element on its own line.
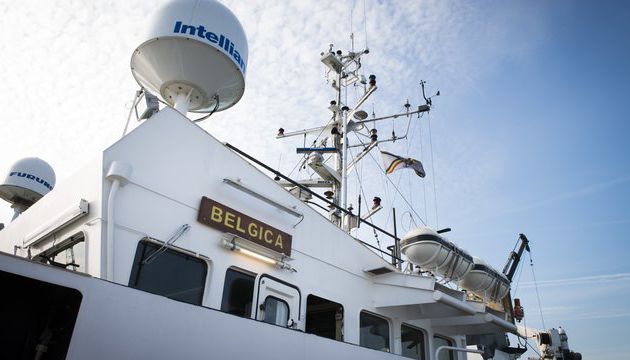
<point x="196" y="49"/>
<point x="27" y="181"/>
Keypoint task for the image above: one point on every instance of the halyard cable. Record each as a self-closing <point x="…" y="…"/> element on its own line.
<point x="527" y="340"/>
<point x="531" y="263"/>
<point x="378" y="241"/>
<point x="518" y="281"/>
<point x="437" y="222"/>
<point x="394" y="185"/>
<point x="135" y="102"/>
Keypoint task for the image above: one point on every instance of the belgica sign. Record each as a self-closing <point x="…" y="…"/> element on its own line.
<point x="226" y="219"/>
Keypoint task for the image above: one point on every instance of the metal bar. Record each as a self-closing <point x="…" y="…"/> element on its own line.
<point x="396" y="241"/>
<point x="358" y="215"/>
<point x="457" y="349"/>
<point x="324" y="150"/>
<point x="362" y="155"/>
<point x="365" y="96"/>
<point x="318" y="183"/>
<point x="301" y="132"/>
<point x="259" y="196"/>
<point x="344" y="162"/>
<point x="372" y="212"/>
<point x="421" y="109"/>
<point x="500" y="322"/>
<point x="70" y="215"/>
<point x="391" y="139"/>
<point x="281" y="175"/>
<point x="454" y="303"/>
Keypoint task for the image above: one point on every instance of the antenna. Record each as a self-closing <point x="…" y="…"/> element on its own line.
<point x="194" y="58"/>
<point x="26" y="182"/>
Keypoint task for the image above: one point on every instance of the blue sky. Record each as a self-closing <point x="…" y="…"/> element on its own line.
<point x="529" y="134"/>
<point x="556" y="118"/>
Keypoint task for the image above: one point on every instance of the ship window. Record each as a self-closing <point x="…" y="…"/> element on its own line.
<point x="412" y="341"/>
<point x="324" y="318"/>
<point x="276" y="311"/>
<point x="438" y="341"/>
<point x="171" y="273"/>
<point x="374" y="332"/>
<point x="68" y="254"/>
<point x="238" y="292"/>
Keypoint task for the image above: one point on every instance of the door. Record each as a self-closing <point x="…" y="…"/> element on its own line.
<point x="278" y="302"/>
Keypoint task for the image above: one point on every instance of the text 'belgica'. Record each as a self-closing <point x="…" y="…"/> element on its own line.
<point x="226" y="219"/>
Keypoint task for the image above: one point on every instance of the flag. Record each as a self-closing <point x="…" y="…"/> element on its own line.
<point x="395" y="162"/>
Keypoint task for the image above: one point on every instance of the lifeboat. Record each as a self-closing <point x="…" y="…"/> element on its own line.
<point x="429" y="250"/>
<point x="485" y="282"/>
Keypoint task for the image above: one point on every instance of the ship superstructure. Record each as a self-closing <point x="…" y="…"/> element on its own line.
<point x="172" y="244"/>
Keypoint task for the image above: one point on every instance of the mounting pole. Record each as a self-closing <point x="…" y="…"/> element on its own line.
<point x="344" y="163"/>
<point x="396" y="241"/>
<point x="181" y="102"/>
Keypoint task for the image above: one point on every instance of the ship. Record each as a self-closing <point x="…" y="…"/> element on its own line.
<point x="162" y="249"/>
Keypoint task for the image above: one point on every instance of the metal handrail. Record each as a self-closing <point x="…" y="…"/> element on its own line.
<point x="455" y="348"/>
<point x="281" y="175"/>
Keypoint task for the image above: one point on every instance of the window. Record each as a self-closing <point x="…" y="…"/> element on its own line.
<point x="37" y="313"/>
<point x="169" y="273"/>
<point x="412" y="341"/>
<point x="439" y="340"/>
<point x="374" y="332"/>
<point x="276" y="311"/>
<point x="238" y="292"/>
<point x="324" y="318"/>
<point x="68" y="254"/>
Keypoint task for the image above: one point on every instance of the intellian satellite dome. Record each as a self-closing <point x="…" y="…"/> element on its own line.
<point x="195" y="58"/>
<point x="27" y="181"/>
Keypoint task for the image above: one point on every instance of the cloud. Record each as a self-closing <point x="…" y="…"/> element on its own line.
<point x="581" y="192"/>
<point x="76" y="70"/>
<point x="574" y="314"/>
<point x="584" y="280"/>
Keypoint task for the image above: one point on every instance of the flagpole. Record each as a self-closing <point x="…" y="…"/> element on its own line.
<point x="344" y="159"/>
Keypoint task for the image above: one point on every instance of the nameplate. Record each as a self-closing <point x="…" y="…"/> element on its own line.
<point x="223" y="218"/>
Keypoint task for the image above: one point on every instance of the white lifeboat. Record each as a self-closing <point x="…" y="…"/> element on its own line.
<point x="429" y="250"/>
<point x="485" y="282"/>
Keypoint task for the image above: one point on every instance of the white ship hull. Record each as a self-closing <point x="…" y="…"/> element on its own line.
<point x="117" y="322"/>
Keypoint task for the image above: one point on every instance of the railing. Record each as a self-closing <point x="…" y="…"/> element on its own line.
<point x="454" y="348"/>
<point x="279" y="174"/>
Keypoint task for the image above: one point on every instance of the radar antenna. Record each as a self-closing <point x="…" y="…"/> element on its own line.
<point x="193" y="64"/>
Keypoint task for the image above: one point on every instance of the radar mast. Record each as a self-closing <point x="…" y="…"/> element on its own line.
<point x="343" y="70"/>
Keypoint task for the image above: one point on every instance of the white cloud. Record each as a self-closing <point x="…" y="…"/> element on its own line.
<point x="583" y="280"/>
<point x="67" y="84"/>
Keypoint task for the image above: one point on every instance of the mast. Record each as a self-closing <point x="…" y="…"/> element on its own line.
<point x="342" y="71"/>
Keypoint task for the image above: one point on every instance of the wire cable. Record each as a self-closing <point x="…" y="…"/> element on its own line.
<point x="216" y="106"/>
<point x="531" y="263"/>
<point x="527" y="340"/>
<point x="518" y="281"/>
<point x="437" y="222"/>
<point x="136" y="101"/>
<point x="360" y="178"/>
<point x="365" y="26"/>
<point x="394" y="185"/>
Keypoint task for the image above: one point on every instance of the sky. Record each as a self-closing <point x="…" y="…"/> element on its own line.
<point x="529" y="134"/>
